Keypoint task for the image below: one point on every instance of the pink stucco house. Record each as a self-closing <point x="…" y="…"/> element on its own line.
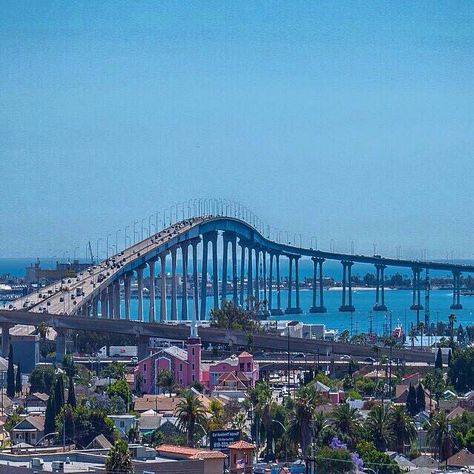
<point x="234" y="373"/>
<point x="185" y="364"/>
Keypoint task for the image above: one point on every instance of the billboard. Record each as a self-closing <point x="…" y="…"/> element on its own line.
<point x="219" y="440"/>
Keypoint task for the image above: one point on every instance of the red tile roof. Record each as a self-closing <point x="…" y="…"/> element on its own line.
<point x="191" y="453"/>
<point x="241" y="445"/>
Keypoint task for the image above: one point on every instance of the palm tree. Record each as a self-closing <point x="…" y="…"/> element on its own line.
<point x="452" y="319"/>
<point x="379" y="423"/>
<point x="42" y="330"/>
<point x="263" y="409"/>
<point x="216" y="411"/>
<point x="438" y="435"/>
<point x="119" y="459"/>
<point x="347" y="420"/>
<point x="166" y="380"/>
<point x="301" y="418"/>
<point x="403" y="428"/>
<point x="190" y="412"/>
<point x="239" y="421"/>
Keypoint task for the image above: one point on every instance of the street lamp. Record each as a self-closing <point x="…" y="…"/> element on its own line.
<point x="116" y="239"/>
<point x="97" y="247"/>
<point x="286" y="448"/>
<point x="108" y="235"/>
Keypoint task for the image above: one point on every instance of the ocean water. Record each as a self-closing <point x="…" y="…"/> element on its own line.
<point x="397" y="301"/>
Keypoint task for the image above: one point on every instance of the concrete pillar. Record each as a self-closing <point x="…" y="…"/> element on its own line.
<point x="349" y="280"/>
<point x="184" y="289"/>
<point x="277" y="256"/>
<point x="117" y="299"/>
<point x="127" y="283"/>
<point x="344" y="279"/>
<point x="347" y="305"/>
<point x="318" y="308"/>
<point x="456" y="290"/>
<point x="195" y="315"/>
<point x="264" y="261"/>
<point x="234" y="269"/>
<point x="297" y="283"/>
<point x="257" y="275"/>
<point x="249" y="276"/>
<point x="95" y="306"/>
<point x="242" y="273"/>
<point x="140" y="292"/>
<point x="174" y="298"/>
<point x="315" y="271"/>
<point x="103" y="304"/>
<point x="151" y="309"/>
<point x="60" y="344"/>
<point x="5" y="339"/>
<point x="163" y="287"/>
<point x="270" y="282"/>
<point x="380" y="289"/>
<point x="215" y="272"/>
<point x="205" y="243"/>
<point x="290" y="281"/>
<point x="416" y="306"/>
<point x="321" y="286"/>
<point x="225" y="257"/>
<point x="111" y="301"/>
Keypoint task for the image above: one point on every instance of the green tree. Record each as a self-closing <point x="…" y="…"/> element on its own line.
<point x="10" y="374"/>
<point x="420" y="398"/>
<point x="58" y="396"/>
<point x="114" y="370"/>
<point x="166" y="380"/>
<point x="49" y="423"/>
<point x="411" y="404"/>
<point x="403" y="428"/>
<point x="71" y="393"/>
<point x="155" y="438"/>
<point x="439" y="359"/>
<point x="347" y="421"/>
<point x="438" y="435"/>
<point x="119" y="460"/>
<point x="120" y="388"/>
<point x="230" y="316"/>
<point x="334" y="461"/>
<point x="11" y="421"/>
<point x="461" y="372"/>
<point x="379" y="425"/>
<point x="190" y="412"/>
<point x="42" y="378"/>
<point x="376" y="460"/>
<point x="216" y="422"/>
<point x="301" y="417"/>
<point x="18" y="381"/>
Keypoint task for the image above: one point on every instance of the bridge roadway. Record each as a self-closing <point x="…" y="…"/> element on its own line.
<point x="143" y="331"/>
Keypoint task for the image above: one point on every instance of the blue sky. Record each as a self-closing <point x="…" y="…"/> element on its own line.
<point x="347" y="120"/>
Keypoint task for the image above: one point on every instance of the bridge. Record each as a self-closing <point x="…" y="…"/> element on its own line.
<point x="96" y="294"/>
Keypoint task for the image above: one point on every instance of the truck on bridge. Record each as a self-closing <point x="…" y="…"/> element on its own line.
<point x="118" y="351"/>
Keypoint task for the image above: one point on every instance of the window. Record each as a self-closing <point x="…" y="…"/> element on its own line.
<point x="180" y="367"/>
<point x="193" y="351"/>
<point x="144" y="367"/>
<point x="193" y="366"/>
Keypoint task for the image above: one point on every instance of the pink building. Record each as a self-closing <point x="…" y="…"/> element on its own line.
<point x="185" y="364"/>
<point x="243" y="367"/>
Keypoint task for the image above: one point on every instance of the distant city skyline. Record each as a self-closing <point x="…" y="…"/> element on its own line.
<point x="348" y="122"/>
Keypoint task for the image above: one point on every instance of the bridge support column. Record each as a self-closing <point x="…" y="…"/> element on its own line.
<point x="205" y="244"/>
<point x="215" y="271"/>
<point x="174" y="302"/>
<point x="290" y="284"/>
<point x="117" y="299"/>
<point x="110" y="302"/>
<point x="278" y="310"/>
<point x="140" y="292"/>
<point x="297" y="284"/>
<point x="143" y="344"/>
<point x="242" y="272"/>
<point x="318" y="308"/>
<point x="184" y="289"/>
<point x="95" y="306"/>
<point x="60" y="344"/>
<point x="257" y="277"/>
<point x="151" y="308"/>
<point x="380" y="288"/>
<point x="265" y="281"/>
<point x="456" y="290"/>
<point x="249" y="276"/>
<point x="270" y="283"/>
<point x="163" y="287"/>
<point x="225" y="257"/>
<point x="234" y="269"/>
<point x="5" y="339"/>
<point x="416" y="305"/>
<point x="347" y="283"/>
<point x="103" y="304"/>
<point x="127" y="284"/>
<point x="195" y="315"/>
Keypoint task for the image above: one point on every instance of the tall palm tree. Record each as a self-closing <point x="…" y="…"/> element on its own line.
<point x="263" y="409"/>
<point x="379" y="423"/>
<point x="438" y="436"/>
<point x="300" y="428"/>
<point x="347" y="420"/>
<point x="403" y="428"/>
<point x="190" y="412"/>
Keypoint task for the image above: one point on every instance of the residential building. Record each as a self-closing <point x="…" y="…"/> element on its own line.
<point x="29" y="430"/>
